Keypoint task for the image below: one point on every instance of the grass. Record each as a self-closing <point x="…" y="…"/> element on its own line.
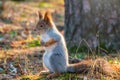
<point x="74" y="76"/>
<point x="34" y="43"/>
<point x="45" y="5"/>
<point x="30" y="57"/>
<point x="76" y="52"/>
<point x="66" y="76"/>
<point x="23" y="15"/>
<point x="1" y="36"/>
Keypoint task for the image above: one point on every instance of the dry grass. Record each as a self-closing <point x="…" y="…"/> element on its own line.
<point x="28" y="60"/>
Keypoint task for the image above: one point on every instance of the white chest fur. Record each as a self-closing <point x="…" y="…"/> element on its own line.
<point x="45" y="37"/>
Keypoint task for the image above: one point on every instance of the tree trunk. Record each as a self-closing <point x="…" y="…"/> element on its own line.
<point x="95" y="22"/>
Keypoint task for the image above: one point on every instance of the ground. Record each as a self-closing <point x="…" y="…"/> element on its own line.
<point x="20" y="50"/>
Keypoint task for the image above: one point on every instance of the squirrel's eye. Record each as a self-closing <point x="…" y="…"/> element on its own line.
<point x="41" y="25"/>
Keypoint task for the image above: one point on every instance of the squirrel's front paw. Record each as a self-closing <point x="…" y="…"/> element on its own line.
<point x="42" y="43"/>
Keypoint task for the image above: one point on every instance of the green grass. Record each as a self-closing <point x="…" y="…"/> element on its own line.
<point x="23" y="15"/>
<point x="1" y="36"/>
<point x="45" y="4"/>
<point x="34" y="43"/>
<point x="65" y="76"/>
<point x="12" y="33"/>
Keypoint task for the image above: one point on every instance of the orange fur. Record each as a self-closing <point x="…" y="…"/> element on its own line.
<point x="48" y="18"/>
<point x="49" y="43"/>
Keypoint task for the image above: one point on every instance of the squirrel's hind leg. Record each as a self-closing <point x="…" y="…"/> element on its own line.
<point x="44" y="72"/>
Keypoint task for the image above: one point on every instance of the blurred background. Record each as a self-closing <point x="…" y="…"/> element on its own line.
<point x="23" y="9"/>
<point x="96" y="22"/>
<point x="18" y="17"/>
<point x="91" y="29"/>
<point x="19" y="50"/>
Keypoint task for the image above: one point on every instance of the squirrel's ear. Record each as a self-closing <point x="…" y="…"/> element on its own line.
<point x="48" y="18"/>
<point x="40" y="15"/>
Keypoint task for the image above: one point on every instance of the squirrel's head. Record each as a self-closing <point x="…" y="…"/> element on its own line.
<point x="44" y="23"/>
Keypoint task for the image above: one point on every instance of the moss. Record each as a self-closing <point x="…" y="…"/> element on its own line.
<point x="25" y="79"/>
<point x="34" y="43"/>
<point x="12" y="34"/>
<point x="19" y="0"/>
<point x="23" y="15"/>
<point x="76" y="49"/>
<point x="79" y="52"/>
<point x="45" y="4"/>
<point x="66" y="76"/>
<point x="1" y="36"/>
<point x="105" y="47"/>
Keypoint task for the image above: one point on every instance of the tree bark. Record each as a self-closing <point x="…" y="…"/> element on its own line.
<point x="95" y="22"/>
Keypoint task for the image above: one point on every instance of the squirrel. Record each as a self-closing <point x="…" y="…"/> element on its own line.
<point x="55" y="58"/>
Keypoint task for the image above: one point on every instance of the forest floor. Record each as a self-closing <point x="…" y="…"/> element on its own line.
<point x="20" y="52"/>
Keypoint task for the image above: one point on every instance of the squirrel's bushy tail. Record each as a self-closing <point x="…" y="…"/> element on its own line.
<point x="80" y="67"/>
<point x="98" y="65"/>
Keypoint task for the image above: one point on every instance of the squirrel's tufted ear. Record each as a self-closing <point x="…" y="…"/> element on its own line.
<point x="48" y="18"/>
<point x="40" y="15"/>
